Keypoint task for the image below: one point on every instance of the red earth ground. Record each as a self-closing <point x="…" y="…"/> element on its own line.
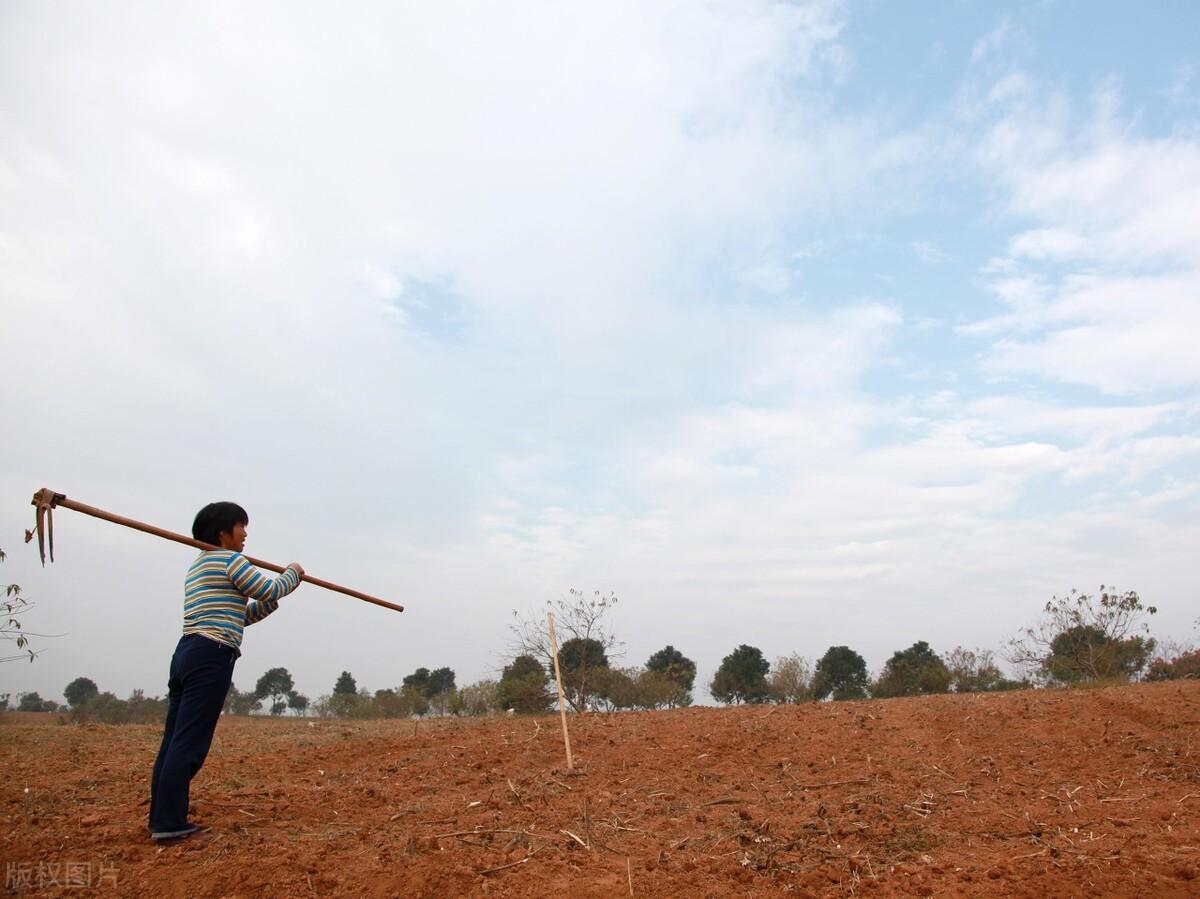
<point x="1039" y="794"/>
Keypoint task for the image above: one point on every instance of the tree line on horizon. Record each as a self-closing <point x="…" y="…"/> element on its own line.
<point x="1080" y="639"/>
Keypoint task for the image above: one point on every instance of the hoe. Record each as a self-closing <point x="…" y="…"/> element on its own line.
<point x="47" y="501"/>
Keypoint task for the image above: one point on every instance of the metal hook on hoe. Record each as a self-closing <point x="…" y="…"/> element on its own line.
<point x="46" y="501"/>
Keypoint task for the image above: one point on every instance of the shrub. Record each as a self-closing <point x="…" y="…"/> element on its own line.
<point x="1183" y="665"/>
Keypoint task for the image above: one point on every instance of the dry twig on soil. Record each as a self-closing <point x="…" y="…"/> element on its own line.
<point x="724" y="800"/>
<point x="576" y="839"/>
<point x="519" y="861"/>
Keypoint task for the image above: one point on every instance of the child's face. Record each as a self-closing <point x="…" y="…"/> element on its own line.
<point x="236" y="539"/>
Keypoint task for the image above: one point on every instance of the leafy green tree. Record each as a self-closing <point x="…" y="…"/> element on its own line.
<point x="916" y="671"/>
<point x="441" y="680"/>
<point x="436" y="686"/>
<point x="240" y="703"/>
<point x="343" y="705"/>
<point x="579" y="660"/>
<point x="388" y="704"/>
<point x="841" y="673"/>
<point x="32" y="702"/>
<point x="616" y="688"/>
<point x="80" y="691"/>
<point x="105" y="707"/>
<point x="145" y="709"/>
<point x="523" y="686"/>
<point x="658" y="691"/>
<point x="275" y="685"/>
<point x="361" y="705"/>
<point x="1084" y="652"/>
<point x="791" y="679"/>
<point x="673" y="665"/>
<point x="418" y="680"/>
<point x="345" y="685"/>
<point x="1083" y="638"/>
<point x="394" y="702"/>
<point x="582" y="653"/>
<point x="297" y="702"/>
<point x="399" y="703"/>
<point x="742" y="677"/>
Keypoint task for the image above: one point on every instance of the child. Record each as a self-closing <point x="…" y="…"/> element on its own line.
<point x="222" y="594"/>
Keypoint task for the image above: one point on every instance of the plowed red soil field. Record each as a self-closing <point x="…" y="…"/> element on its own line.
<point x="1045" y="793"/>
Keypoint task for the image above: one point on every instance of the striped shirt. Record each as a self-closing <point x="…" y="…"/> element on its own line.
<point x="223" y="593"/>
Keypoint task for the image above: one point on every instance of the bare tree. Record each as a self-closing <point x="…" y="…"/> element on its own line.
<point x="480" y="698"/>
<point x="577" y="617"/>
<point x="790" y="679"/>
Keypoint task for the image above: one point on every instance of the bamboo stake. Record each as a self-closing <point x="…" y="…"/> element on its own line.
<point x="46" y="500"/>
<point x="562" y="706"/>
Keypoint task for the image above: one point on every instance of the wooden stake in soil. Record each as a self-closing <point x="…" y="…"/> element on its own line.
<point x="47" y="501"/>
<point x="562" y="705"/>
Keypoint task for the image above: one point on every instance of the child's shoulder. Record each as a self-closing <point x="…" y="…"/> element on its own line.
<point x="215" y="557"/>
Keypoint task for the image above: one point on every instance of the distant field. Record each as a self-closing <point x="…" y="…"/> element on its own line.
<point x="1048" y="793"/>
<point x="31" y="718"/>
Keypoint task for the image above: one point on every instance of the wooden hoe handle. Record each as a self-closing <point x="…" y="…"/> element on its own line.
<point x="47" y="500"/>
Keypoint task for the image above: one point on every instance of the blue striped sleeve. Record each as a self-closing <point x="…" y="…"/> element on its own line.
<point x="263" y="593"/>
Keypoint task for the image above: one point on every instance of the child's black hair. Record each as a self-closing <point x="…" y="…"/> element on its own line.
<point x="216" y="519"/>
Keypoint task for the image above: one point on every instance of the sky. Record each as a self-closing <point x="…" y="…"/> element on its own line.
<point x="789" y="324"/>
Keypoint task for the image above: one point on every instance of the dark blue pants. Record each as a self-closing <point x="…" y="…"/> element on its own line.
<point x="201" y="671"/>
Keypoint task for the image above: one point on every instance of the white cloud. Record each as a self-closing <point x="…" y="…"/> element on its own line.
<point x="1053" y="244"/>
<point x="1017" y="416"/>
<point x="1120" y="335"/>
<point x="1114" y="209"/>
